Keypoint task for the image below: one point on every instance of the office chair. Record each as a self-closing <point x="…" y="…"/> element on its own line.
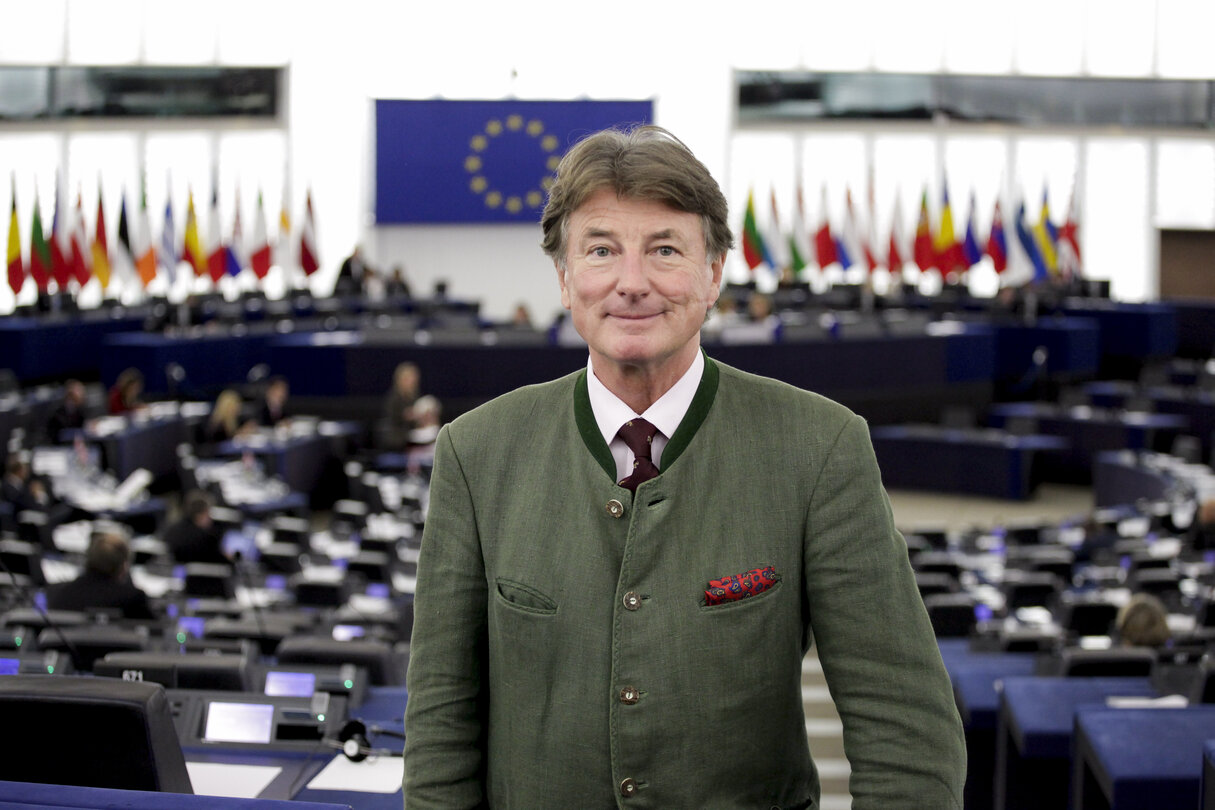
<point x="1128" y="662"/>
<point x="91" y="732"/>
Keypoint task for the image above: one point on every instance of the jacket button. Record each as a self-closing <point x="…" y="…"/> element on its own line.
<point x="631" y="601"/>
<point x="628" y="787"/>
<point x="628" y="695"/>
<point x="615" y="508"/>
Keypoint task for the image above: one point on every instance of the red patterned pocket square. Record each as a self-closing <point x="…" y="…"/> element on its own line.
<point x="739" y="586"/>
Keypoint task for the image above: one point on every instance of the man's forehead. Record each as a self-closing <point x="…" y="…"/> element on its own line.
<point x="605" y="213"/>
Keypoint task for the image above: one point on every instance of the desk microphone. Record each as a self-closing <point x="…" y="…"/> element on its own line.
<point x="46" y="618"/>
<point x="352" y="740"/>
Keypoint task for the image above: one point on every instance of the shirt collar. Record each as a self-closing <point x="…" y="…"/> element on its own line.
<point x="665" y="414"/>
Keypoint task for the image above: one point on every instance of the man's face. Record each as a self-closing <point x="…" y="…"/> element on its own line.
<point x="637" y="283"/>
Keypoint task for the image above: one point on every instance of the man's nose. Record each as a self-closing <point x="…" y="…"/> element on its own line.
<point x="632" y="278"/>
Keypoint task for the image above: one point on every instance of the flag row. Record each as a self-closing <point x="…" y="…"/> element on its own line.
<point x="1047" y="249"/>
<point x="69" y="255"/>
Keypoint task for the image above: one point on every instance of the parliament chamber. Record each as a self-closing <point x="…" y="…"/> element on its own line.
<point x="294" y="638"/>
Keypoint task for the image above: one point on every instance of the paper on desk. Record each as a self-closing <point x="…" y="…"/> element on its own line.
<point x="372" y="775"/>
<point x="1166" y="702"/>
<point x="233" y="781"/>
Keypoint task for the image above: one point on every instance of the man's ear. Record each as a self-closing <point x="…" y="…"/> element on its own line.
<point x="563" y="280"/>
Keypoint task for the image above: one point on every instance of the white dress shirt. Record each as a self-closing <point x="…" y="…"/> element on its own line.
<point x="665" y="414"/>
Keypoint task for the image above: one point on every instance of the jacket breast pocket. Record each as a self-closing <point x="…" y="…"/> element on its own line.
<point x="523" y="597"/>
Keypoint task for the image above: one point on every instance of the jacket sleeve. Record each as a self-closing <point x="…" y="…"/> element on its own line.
<point x="444" y="717"/>
<point x="902" y="733"/>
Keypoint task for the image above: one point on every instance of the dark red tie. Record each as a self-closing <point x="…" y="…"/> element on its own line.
<point x="637" y="435"/>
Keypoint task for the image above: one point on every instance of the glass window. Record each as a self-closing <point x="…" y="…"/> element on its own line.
<point x="1185" y="183"/>
<point x="1116" y="235"/>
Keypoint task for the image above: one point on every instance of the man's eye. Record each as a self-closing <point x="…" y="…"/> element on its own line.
<point x="600" y="252"/>
<point x="666" y="250"/>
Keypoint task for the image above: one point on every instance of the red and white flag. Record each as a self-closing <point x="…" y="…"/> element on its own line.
<point x="309" y="259"/>
<point x="260" y="258"/>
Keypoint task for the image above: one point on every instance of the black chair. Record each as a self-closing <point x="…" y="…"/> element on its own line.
<point x="1029" y="589"/>
<point x="932" y="584"/>
<point x="180" y="670"/>
<point x="1130" y="662"/>
<point x="209" y="580"/>
<point x="952" y="614"/>
<point x="1203" y="690"/>
<point x="119" y="734"/>
<point x="87" y="643"/>
<point x="1088" y="617"/>
<point x="382" y="664"/>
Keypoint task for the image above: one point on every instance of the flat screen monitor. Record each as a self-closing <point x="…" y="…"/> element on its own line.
<point x="238" y="542"/>
<point x="293" y="684"/>
<point x="239" y="722"/>
<point x="10" y="666"/>
<point x="347" y="632"/>
<point x="191" y="626"/>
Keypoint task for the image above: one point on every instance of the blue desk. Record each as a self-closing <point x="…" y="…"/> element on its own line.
<point x="977" y="679"/>
<point x="148" y="444"/>
<point x="945" y="460"/>
<point x="1088" y="433"/>
<point x="1034" y="742"/>
<point x="1073" y="347"/>
<point x="57" y="347"/>
<point x="1195" y="326"/>
<point x="884" y="378"/>
<point x="1140" y="759"/>
<point x="1119" y="480"/>
<point x="211" y="360"/>
<point x="1208" y="775"/>
<point x="1135" y="332"/>
<point x="30" y="795"/>
<point x="300" y="461"/>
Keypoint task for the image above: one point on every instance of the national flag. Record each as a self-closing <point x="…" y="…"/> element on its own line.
<point x="192" y="250"/>
<point x="40" y="251"/>
<point x="479" y="161"/>
<point x="217" y="256"/>
<point x="170" y="255"/>
<point x="81" y="261"/>
<point x="1069" y="242"/>
<point x="260" y="258"/>
<point x="282" y="247"/>
<point x="847" y="243"/>
<point x="799" y="250"/>
<point x="1029" y="244"/>
<point x="869" y="237"/>
<point x="143" y="248"/>
<point x="949" y="254"/>
<point x="309" y="259"/>
<point x="997" y="246"/>
<point x="970" y="244"/>
<point x="754" y="252"/>
<point x="774" y="243"/>
<point x="16" y="269"/>
<point x="61" y="243"/>
<point x="824" y="242"/>
<point x="100" y="247"/>
<point x="1047" y="235"/>
<point x="924" y="253"/>
<point x="124" y="256"/>
<point x="237" y="260"/>
<point x="896" y="250"/>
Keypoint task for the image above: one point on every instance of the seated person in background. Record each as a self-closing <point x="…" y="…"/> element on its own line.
<point x="395" y="286"/>
<point x="193" y="538"/>
<point x="351" y="278"/>
<point x="69" y="414"/>
<point x="428" y="418"/>
<point x="126" y="391"/>
<point x="106" y="580"/>
<point x="23" y="489"/>
<point x="399" y="418"/>
<point x="224" y="423"/>
<point x="522" y="317"/>
<point x="274" y="402"/>
<point x="1143" y="622"/>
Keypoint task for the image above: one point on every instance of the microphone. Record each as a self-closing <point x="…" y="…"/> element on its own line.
<point x="352" y="740"/>
<point x="27" y="596"/>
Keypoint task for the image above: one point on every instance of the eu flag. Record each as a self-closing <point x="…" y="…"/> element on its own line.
<point x="480" y="161"/>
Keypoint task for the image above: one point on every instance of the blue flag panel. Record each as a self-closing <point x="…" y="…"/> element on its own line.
<point x="480" y="161"/>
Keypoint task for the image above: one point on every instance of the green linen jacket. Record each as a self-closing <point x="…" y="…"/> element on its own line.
<point x="562" y="654"/>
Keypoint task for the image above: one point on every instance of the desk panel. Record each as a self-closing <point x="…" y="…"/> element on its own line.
<point x="1140" y="759"/>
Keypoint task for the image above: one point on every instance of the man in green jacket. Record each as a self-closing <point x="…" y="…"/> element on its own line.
<point x="622" y="569"/>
